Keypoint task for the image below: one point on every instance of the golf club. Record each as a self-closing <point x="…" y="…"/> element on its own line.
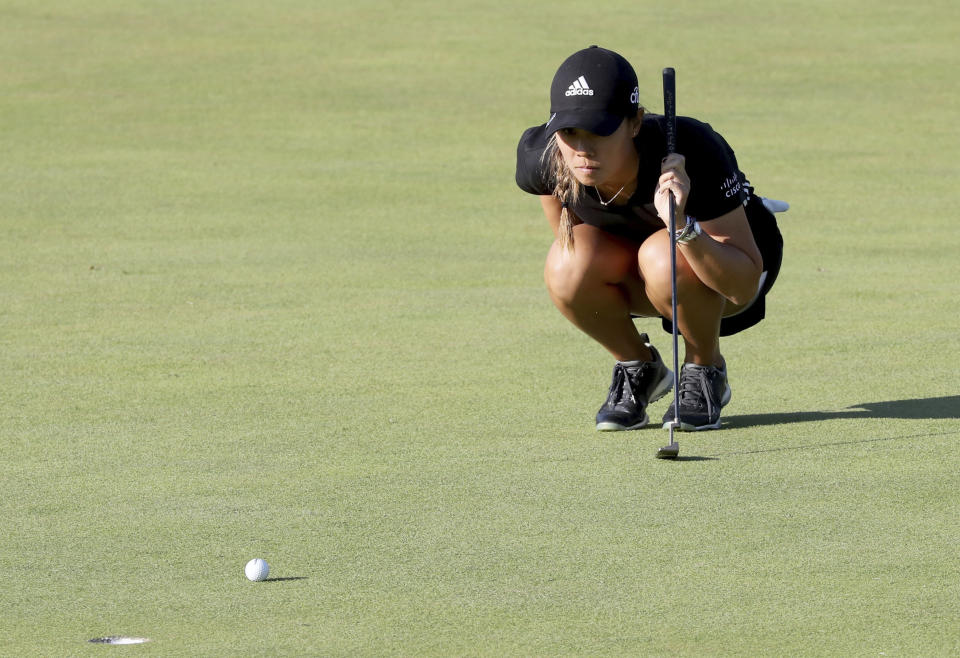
<point x="672" y="451"/>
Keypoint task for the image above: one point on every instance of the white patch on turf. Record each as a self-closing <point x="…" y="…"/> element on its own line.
<point x="119" y="639"/>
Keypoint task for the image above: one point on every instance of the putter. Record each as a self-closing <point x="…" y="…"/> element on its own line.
<point x="672" y="451"/>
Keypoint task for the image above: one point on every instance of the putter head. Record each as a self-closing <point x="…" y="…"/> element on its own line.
<point x="671" y="451"/>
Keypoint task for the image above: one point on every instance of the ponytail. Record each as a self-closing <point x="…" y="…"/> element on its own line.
<point x="566" y="188"/>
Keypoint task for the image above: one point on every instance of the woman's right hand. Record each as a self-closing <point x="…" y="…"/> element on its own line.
<point x="673" y="180"/>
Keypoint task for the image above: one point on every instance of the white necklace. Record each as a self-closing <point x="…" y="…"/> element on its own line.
<point x="607" y="203"/>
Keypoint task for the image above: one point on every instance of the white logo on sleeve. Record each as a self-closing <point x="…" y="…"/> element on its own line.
<point x="580" y="88"/>
<point x="731" y="186"/>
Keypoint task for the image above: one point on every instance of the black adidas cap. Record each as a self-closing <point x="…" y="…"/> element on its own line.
<point x="594" y="89"/>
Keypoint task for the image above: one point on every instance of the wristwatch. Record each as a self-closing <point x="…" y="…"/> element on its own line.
<point x="690" y="232"/>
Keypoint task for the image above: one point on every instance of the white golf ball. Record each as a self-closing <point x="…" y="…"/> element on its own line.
<point x="257" y="569"/>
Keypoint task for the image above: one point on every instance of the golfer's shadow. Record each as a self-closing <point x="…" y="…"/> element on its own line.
<point x="930" y="408"/>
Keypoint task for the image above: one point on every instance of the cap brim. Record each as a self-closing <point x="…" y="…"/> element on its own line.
<point x="597" y="122"/>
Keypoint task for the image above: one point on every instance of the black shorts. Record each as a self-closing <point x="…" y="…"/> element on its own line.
<point x="763" y="223"/>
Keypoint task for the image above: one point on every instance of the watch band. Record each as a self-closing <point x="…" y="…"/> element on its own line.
<point x="690" y="232"/>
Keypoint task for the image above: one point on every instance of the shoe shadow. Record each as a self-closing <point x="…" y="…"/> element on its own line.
<point x="920" y="408"/>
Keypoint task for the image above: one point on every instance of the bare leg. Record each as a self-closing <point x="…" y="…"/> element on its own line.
<point x="699" y="309"/>
<point x="597" y="286"/>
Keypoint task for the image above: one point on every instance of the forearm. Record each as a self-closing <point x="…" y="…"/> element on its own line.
<point x="722" y="267"/>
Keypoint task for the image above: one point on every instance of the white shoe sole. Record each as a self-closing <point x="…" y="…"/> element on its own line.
<point x="616" y="427"/>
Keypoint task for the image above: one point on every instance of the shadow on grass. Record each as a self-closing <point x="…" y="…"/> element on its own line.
<point x="944" y="408"/>
<point x="691" y="458"/>
<point x="906" y="437"/>
<point x="929" y="408"/>
<point x="280" y="580"/>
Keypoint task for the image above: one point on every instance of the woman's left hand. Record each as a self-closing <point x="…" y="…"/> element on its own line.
<point x="673" y="178"/>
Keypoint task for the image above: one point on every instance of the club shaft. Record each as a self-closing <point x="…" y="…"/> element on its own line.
<point x="673" y="314"/>
<point x="670" y="112"/>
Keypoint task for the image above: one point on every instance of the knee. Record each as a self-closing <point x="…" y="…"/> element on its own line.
<point x="653" y="261"/>
<point x="597" y="261"/>
<point x="573" y="275"/>
<point x="566" y="275"/>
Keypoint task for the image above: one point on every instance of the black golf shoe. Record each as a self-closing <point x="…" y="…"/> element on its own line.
<point x="634" y="386"/>
<point x="703" y="391"/>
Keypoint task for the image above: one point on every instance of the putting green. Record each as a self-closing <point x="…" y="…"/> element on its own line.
<point x="267" y="289"/>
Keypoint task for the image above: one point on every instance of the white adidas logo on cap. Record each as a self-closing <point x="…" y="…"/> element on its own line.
<point x="580" y="88"/>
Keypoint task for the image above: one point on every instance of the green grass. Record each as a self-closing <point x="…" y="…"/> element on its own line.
<point x="267" y="289"/>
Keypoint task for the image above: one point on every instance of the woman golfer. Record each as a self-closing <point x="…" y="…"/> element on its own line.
<point x="601" y="169"/>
